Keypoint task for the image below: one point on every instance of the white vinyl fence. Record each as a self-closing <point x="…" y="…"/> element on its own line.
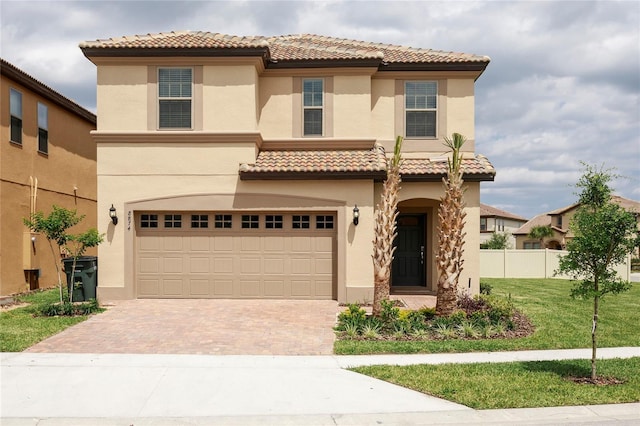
<point x="530" y="264"/>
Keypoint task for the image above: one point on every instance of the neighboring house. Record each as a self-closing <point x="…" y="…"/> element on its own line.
<point x="47" y="157"/>
<point x="493" y="220"/>
<point x="250" y="167"/>
<point x="559" y="221"/>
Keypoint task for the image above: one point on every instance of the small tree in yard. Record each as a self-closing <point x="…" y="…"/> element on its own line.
<point x="54" y="227"/>
<point x="604" y="234"/>
<point x="451" y="233"/>
<point x="385" y="230"/>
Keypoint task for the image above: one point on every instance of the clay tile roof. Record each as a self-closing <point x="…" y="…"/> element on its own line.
<point x="475" y="168"/>
<point x="540" y="220"/>
<point x="487" y="210"/>
<point x="367" y="163"/>
<point x="355" y="163"/>
<point x="287" y="47"/>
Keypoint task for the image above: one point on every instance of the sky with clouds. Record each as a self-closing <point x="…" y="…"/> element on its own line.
<point x="563" y="85"/>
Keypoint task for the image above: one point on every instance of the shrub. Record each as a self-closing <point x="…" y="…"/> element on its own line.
<point x="354" y="316"/>
<point x="468" y="329"/>
<point x="66" y="308"/>
<point x="428" y="313"/>
<point x="457" y="317"/>
<point x="390" y="313"/>
<point x="485" y="288"/>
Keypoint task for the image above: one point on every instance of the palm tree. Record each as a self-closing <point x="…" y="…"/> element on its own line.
<point x="540" y="232"/>
<point x="451" y="233"/>
<point x="385" y="230"/>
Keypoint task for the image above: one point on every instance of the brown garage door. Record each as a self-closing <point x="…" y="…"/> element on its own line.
<point x="235" y="255"/>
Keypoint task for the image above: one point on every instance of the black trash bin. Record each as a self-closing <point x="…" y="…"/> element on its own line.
<point x="85" y="277"/>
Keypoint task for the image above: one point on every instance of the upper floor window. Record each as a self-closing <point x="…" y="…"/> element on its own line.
<point x="15" y="107"/>
<point x="175" y="96"/>
<point x="313" y="106"/>
<point x="420" y="103"/>
<point x="43" y="128"/>
<point x="483" y="223"/>
<point x="500" y="225"/>
<point x="559" y="221"/>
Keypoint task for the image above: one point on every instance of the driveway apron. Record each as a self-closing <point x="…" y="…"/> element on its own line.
<point x="203" y="326"/>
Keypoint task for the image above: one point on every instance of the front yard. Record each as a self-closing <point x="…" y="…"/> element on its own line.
<point x="560" y="322"/>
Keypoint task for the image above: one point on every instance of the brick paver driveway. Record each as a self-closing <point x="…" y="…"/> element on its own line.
<point x="203" y="326"/>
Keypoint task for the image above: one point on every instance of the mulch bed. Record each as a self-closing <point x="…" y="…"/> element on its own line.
<point x="599" y="381"/>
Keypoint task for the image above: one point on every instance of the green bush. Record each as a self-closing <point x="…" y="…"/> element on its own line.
<point x="390" y="313"/>
<point x="53" y="309"/>
<point x="485" y="288"/>
<point x="353" y="318"/>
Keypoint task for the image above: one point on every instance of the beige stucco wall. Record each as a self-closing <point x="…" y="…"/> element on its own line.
<point x="460" y="109"/>
<point x="66" y="177"/>
<point x="229" y="98"/>
<point x="122" y="97"/>
<point x="352" y="106"/>
<point x="276" y="108"/>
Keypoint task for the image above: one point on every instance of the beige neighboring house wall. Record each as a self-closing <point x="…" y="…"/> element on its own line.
<point x="64" y="169"/>
<point x="494" y="220"/>
<point x="559" y="220"/>
<point x="288" y="199"/>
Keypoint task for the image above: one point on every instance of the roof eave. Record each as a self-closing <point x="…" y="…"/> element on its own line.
<point x="289" y="175"/>
<point x="424" y="177"/>
<point x="323" y="63"/>
<point x="101" y="52"/>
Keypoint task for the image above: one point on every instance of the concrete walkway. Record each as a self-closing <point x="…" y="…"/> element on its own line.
<point x="124" y="389"/>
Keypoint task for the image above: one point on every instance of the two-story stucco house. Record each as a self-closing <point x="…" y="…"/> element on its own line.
<point x="494" y="220"/>
<point x="47" y="157"/>
<point x="559" y="221"/>
<point x="250" y="167"/>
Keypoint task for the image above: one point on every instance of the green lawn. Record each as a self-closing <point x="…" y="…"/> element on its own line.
<point x="561" y="322"/>
<point x="517" y="384"/>
<point x="19" y="328"/>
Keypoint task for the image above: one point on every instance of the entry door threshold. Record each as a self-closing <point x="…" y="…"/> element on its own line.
<point x="412" y="290"/>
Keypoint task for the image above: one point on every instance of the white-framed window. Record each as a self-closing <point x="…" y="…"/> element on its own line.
<point x="500" y="224"/>
<point x="312" y="106"/>
<point x="175" y="98"/>
<point x="483" y="224"/>
<point x="43" y="128"/>
<point x="15" y="110"/>
<point x="420" y="104"/>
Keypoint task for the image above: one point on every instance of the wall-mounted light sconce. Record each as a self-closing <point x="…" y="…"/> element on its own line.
<point x="113" y="215"/>
<point x="356" y="215"/>
<point x="33" y="239"/>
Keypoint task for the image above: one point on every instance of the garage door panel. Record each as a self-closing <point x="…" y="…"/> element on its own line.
<point x="301" y="288"/>
<point x="250" y="288"/>
<point x="236" y="262"/>
<point x="199" y="265"/>
<point x="199" y="287"/>
<point x="223" y="287"/>
<point x="199" y="243"/>
<point x="172" y="287"/>
<point x="223" y="265"/>
<point x="174" y="243"/>
<point x="274" y="288"/>
<point x="149" y="287"/>
<point x="150" y="265"/>
<point x="172" y="265"/>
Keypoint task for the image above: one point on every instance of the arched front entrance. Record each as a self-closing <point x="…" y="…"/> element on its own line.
<point x="412" y="270"/>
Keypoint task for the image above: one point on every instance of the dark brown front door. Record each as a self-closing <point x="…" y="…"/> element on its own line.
<point x="408" y="264"/>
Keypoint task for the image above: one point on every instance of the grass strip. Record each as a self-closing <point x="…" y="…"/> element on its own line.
<point x="518" y="384"/>
<point x="20" y="328"/>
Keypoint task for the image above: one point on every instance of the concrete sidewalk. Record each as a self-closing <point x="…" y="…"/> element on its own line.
<point x="119" y="389"/>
